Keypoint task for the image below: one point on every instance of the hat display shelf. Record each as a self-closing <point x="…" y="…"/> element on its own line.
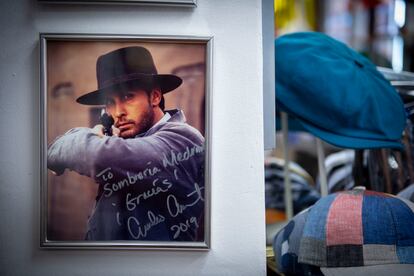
<point x="359" y="113"/>
<point x="385" y="132"/>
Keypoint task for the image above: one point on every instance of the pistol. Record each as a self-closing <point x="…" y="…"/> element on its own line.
<point x="107" y="121"/>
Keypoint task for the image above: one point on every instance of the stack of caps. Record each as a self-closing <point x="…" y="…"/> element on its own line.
<point x="303" y="192"/>
<point x="339" y="171"/>
<point x="335" y="93"/>
<point x="403" y="82"/>
<point x="355" y="232"/>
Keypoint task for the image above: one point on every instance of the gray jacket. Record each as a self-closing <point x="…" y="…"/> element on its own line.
<point x="150" y="187"/>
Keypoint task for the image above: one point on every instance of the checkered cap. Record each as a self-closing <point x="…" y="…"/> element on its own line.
<point x="358" y="228"/>
<point x="286" y="248"/>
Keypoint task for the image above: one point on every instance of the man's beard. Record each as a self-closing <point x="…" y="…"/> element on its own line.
<point x="143" y="126"/>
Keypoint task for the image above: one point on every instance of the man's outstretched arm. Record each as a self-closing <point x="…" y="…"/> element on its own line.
<point x="85" y="151"/>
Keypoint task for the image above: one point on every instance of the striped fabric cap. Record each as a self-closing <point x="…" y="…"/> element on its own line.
<point x="358" y="228"/>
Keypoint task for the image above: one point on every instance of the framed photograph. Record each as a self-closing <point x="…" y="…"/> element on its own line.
<point x="125" y="141"/>
<point x="178" y="3"/>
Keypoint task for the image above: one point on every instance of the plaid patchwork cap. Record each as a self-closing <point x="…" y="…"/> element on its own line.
<point x="360" y="231"/>
<point x="286" y="248"/>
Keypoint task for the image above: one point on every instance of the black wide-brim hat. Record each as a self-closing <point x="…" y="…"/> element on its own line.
<point x="125" y="68"/>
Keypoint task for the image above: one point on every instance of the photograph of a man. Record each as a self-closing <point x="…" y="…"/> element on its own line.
<point x="148" y="165"/>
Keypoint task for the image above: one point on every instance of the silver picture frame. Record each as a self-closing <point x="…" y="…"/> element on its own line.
<point x="65" y="73"/>
<point x="173" y="3"/>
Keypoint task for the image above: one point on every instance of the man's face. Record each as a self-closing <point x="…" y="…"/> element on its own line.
<point x="132" y="111"/>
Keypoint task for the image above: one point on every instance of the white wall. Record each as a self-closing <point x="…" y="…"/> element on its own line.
<point x="238" y="235"/>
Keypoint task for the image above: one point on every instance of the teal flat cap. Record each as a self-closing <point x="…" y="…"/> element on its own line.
<point x="335" y="93"/>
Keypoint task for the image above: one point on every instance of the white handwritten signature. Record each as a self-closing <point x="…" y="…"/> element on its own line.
<point x="175" y="208"/>
<point x="136" y="230"/>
